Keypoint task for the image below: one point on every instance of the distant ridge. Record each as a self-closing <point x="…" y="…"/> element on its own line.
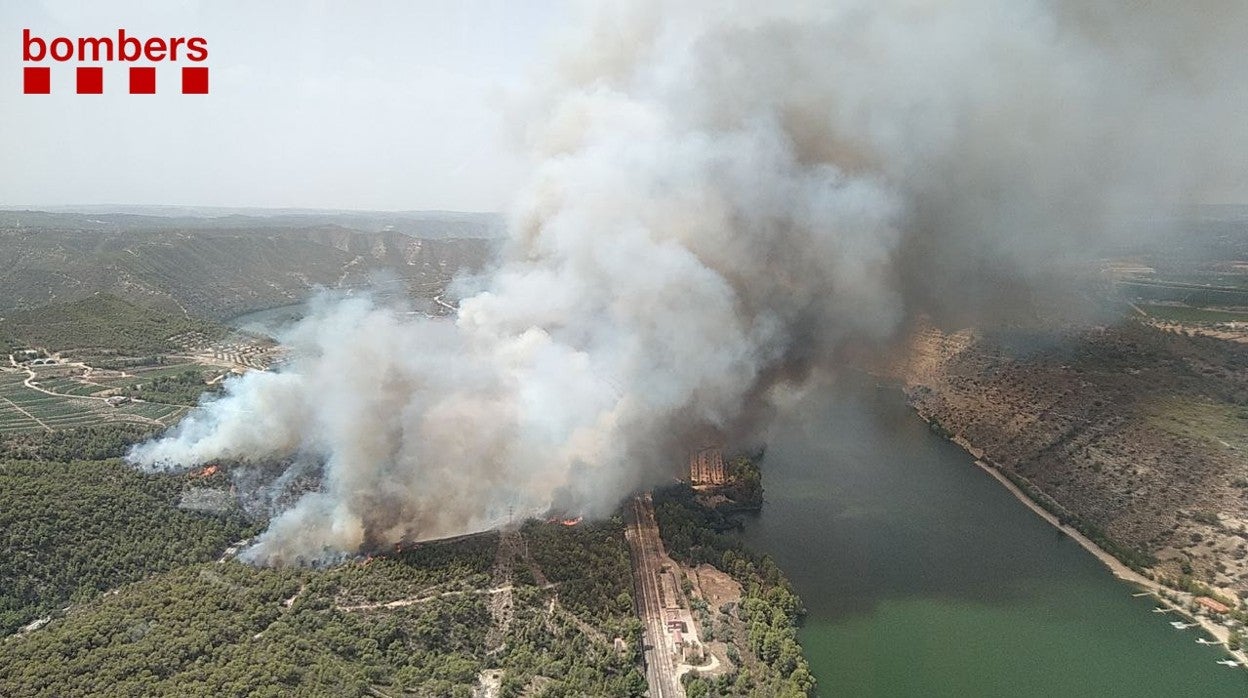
<point x="220" y="267"/>
<point x="211" y="211"/>
<point x="421" y="224"/>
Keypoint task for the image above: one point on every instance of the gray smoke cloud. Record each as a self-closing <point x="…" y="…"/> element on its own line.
<point x="725" y="195"/>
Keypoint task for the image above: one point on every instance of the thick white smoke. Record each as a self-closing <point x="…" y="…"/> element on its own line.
<point x="723" y="195"/>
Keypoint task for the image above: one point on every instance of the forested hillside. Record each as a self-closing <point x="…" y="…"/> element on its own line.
<point x="100" y="321"/>
<point x="215" y="268"/>
<point x="73" y="529"/>
<point x="428" y="621"/>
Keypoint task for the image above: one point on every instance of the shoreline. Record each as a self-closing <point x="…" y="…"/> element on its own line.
<point x="1119" y="569"/>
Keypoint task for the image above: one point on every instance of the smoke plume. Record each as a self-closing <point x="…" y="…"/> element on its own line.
<point x="725" y="194"/>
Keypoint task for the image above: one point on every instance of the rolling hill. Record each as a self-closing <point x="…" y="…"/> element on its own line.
<point x="219" y="267"/>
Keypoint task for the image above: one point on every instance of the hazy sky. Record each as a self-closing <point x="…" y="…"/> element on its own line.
<point x="372" y="105"/>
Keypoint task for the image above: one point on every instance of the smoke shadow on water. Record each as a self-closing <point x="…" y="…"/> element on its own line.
<point x="922" y="576"/>
<point x="896" y="507"/>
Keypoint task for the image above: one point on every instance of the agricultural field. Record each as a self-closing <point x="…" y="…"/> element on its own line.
<point x="11" y="416"/>
<point x="134" y="377"/>
<point x="157" y="411"/>
<point x="23" y="408"/>
<point x="72" y="391"/>
<point x="68" y="386"/>
<point x="1163" y="291"/>
<point x="1183" y="313"/>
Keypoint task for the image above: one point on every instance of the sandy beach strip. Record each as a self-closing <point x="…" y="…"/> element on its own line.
<point x="1116" y="566"/>
<point x="1120" y="570"/>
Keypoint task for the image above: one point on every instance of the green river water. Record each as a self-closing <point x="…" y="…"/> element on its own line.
<point x="923" y="576"/>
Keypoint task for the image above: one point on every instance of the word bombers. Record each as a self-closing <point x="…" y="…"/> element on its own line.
<point x="89" y="79"/>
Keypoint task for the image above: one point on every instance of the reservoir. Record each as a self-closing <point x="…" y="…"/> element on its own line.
<point x="923" y="576"/>
<point x="269" y="321"/>
<point x="274" y="321"/>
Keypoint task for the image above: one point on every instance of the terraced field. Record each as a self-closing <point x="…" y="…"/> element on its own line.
<point x="75" y="388"/>
<point x="68" y="386"/>
<point x="24" y="409"/>
<point x="158" y="411"/>
<point x="14" y="416"/>
<point x="141" y="375"/>
<point x="11" y="416"/>
<point x="166" y="370"/>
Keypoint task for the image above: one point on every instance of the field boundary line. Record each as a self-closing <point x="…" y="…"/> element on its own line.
<point x="19" y="409"/>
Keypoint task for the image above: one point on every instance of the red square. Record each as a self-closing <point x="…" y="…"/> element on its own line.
<point x="90" y="81"/>
<point x="195" y="81"/>
<point x="36" y="81"/>
<point x="142" y="81"/>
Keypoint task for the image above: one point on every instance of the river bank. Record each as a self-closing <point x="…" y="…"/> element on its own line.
<point x="1117" y="567"/>
<point x="1142" y="458"/>
<point x="922" y="578"/>
<point x="718" y="590"/>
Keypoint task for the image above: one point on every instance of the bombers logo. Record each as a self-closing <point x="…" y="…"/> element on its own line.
<point x="36" y="79"/>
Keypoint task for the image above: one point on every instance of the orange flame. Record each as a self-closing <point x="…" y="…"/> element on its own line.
<point x="206" y="472"/>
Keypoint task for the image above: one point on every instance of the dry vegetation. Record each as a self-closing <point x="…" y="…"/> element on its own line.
<point x="1136" y="433"/>
<point x="207" y="269"/>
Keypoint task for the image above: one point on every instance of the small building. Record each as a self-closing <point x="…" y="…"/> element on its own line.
<point x="1212" y="605"/>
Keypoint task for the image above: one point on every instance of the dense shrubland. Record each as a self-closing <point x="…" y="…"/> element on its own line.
<point x="73" y="529"/>
<point x="101" y="321"/>
<point x="183" y="388"/>
<point x="413" y="622"/>
<point x="96" y="442"/>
